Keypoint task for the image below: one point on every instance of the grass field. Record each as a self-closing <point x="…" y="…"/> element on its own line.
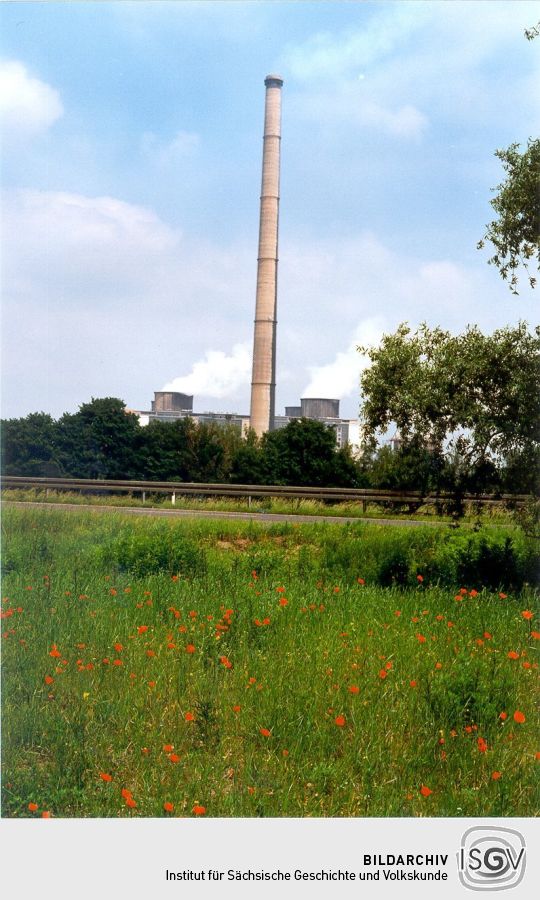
<point x="225" y="669"/>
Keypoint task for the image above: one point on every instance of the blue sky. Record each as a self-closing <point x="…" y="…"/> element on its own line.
<point x="131" y="176"/>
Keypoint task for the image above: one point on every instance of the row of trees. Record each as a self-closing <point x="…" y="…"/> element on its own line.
<point x="102" y="440"/>
<point x="467" y="410"/>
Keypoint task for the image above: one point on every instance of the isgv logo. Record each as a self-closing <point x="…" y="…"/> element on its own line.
<point x="491" y="858"/>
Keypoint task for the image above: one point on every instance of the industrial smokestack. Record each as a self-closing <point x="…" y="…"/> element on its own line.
<point x="263" y="385"/>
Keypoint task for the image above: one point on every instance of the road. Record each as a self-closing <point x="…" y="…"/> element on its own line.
<point x="263" y="518"/>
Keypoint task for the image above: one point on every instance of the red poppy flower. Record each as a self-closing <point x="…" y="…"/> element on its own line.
<point x="33" y="807"/>
<point x="265" y="732"/>
<point x="421" y="639"/>
<point x="513" y="655"/>
<point x="190" y="648"/>
<point x="189" y="717"/>
<point x="141" y="629"/>
<point x="339" y="721"/>
<point x="420" y="578"/>
<point x="199" y="810"/>
<point x="354" y="689"/>
<point x="527" y="614"/>
<point x="168" y="807"/>
<point x="496" y="775"/>
<point x="48" y="679"/>
<point x="105" y="777"/>
<point x="46" y="814"/>
<point x="503" y="716"/>
<point x="519" y="717"/>
<point x="425" y="791"/>
<point x="174" y="758"/>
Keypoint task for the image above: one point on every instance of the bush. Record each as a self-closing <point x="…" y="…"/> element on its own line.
<point x="158" y="551"/>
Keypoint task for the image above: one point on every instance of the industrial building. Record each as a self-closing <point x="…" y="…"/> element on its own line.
<point x="169" y="405"/>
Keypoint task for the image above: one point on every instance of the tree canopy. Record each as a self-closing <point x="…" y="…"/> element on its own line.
<point x="515" y="233"/>
<point x="474" y="395"/>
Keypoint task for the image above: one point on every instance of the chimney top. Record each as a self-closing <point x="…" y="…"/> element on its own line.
<point x="273" y="81"/>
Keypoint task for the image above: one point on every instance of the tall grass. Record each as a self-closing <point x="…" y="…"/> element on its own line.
<point x="234" y="670"/>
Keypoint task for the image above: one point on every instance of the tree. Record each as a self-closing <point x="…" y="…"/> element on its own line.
<point x="474" y="395"/>
<point x="304" y="453"/>
<point x="29" y="446"/>
<point x="515" y="233"/>
<point x="99" y="441"/>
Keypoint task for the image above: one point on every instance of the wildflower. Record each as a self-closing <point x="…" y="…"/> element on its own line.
<point x="438" y="665"/>
<point x="420" y="638"/>
<point x="237" y="708"/>
<point x="482" y="745"/>
<point x="141" y="629"/>
<point x="535" y="635"/>
<point x="413" y="684"/>
<point x="487" y="635"/>
<point x="118" y="647"/>
<point x="55" y="651"/>
<point x="286" y="753"/>
<point x="168" y="807"/>
<point x="519" y="717"/>
<point x="339" y="721"/>
<point x="354" y="689"/>
<point x="513" y="655"/>
<point x="45" y="814"/>
<point x="503" y="716"/>
<point x="131" y="802"/>
<point x="167" y="748"/>
<point x="360" y="581"/>
<point x="189" y="717"/>
<point x="283" y="601"/>
<point x="225" y="662"/>
<point x="33" y="807"/>
<point x="48" y="679"/>
<point x="117" y="662"/>
<point x="382" y="673"/>
<point x="496" y="775"/>
<point x="190" y="648"/>
<point x="151" y="684"/>
<point x="420" y="578"/>
<point x="473" y="593"/>
<point x="527" y="614"/>
<point x="425" y="791"/>
<point x="125" y="793"/>
<point x="265" y="732"/>
<point x="199" y="810"/>
<point x="174" y="758"/>
<point x="503" y="596"/>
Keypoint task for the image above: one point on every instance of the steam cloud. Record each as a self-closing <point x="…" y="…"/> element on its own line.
<point x="339" y="378"/>
<point x="216" y="375"/>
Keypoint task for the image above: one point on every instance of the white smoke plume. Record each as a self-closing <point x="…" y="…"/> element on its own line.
<point x="340" y="378"/>
<point x="216" y="375"/>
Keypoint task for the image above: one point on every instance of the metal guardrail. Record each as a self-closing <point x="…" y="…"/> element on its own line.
<point x="413" y="499"/>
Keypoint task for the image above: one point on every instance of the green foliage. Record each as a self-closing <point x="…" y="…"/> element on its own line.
<point x="144" y="553"/>
<point x="473" y="396"/>
<point x="515" y="233"/>
<point x="304" y="453"/>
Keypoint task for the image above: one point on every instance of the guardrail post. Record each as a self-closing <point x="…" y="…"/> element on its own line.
<point x="173" y="498"/>
<point x="143" y="496"/>
<point x="249" y="501"/>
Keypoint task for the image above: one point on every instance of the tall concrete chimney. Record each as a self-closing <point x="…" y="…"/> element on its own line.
<point x="263" y="383"/>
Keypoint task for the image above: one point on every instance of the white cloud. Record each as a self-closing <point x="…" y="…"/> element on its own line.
<point x="182" y="145"/>
<point x="27" y="105"/>
<point x="216" y="375"/>
<point x="340" y="378"/>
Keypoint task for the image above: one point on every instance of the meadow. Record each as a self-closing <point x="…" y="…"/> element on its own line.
<point x="217" y="668"/>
